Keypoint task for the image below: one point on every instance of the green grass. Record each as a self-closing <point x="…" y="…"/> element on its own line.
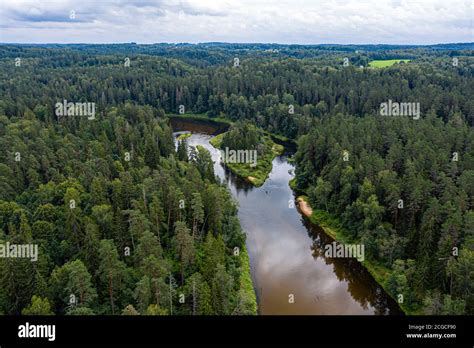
<point x="246" y="284"/>
<point x="333" y="228"/>
<point x="217" y="141"/>
<point x="292" y="184"/>
<point x="278" y="137"/>
<point x="258" y="174"/>
<point x="183" y="136"/>
<point x="330" y="224"/>
<point x="386" y="63"/>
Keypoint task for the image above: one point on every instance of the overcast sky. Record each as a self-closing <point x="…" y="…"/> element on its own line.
<point x="279" y="21"/>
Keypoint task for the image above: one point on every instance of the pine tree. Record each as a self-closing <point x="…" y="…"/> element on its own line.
<point x="199" y="293"/>
<point x="182" y="151"/>
<point x="71" y="286"/>
<point x="156" y="216"/>
<point x="185" y="246"/>
<point x="222" y="284"/>
<point x="111" y="272"/>
<point x="198" y="213"/>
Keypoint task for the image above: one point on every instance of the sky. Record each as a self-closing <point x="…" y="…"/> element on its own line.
<point x="271" y="21"/>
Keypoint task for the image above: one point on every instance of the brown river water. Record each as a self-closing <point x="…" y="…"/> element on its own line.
<point x="290" y="273"/>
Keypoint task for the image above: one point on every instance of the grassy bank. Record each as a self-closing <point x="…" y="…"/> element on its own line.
<point x="333" y="228"/>
<point x="184" y="136"/>
<point x="258" y="174"/>
<point x="217" y="141"/>
<point x="246" y="284"/>
<point x="200" y="117"/>
<point x="292" y="184"/>
<point x="279" y="137"/>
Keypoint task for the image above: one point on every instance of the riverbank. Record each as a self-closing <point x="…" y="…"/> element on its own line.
<point x="246" y="298"/>
<point x="247" y="291"/>
<point x="200" y="117"/>
<point x="333" y="228"/>
<point x="221" y="120"/>
<point x="183" y="136"/>
<point x="258" y="174"/>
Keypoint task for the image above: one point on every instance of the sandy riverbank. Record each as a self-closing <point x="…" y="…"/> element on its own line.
<point x="304" y="207"/>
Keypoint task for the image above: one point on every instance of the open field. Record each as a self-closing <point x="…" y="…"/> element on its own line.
<point x="386" y="63"/>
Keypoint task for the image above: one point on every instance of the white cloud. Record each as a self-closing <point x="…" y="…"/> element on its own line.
<point x="283" y="21"/>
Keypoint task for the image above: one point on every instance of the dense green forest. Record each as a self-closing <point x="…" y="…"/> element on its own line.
<point x="260" y="89"/>
<point x="123" y="226"/>
<point x="403" y="187"/>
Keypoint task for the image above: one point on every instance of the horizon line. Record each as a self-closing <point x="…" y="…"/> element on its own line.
<point x="234" y="43"/>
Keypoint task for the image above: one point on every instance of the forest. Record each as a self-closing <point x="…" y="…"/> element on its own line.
<point x="404" y="189"/>
<point x="127" y="223"/>
<point x="123" y="225"/>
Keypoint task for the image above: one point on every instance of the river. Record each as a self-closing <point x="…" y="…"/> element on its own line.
<point x="290" y="273"/>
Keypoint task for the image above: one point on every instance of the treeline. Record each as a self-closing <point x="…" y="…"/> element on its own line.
<point x="283" y="95"/>
<point x="243" y="136"/>
<point x="123" y="226"/>
<point x="405" y="189"/>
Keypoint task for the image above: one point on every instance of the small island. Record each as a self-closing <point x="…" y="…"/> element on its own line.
<point x="247" y="152"/>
